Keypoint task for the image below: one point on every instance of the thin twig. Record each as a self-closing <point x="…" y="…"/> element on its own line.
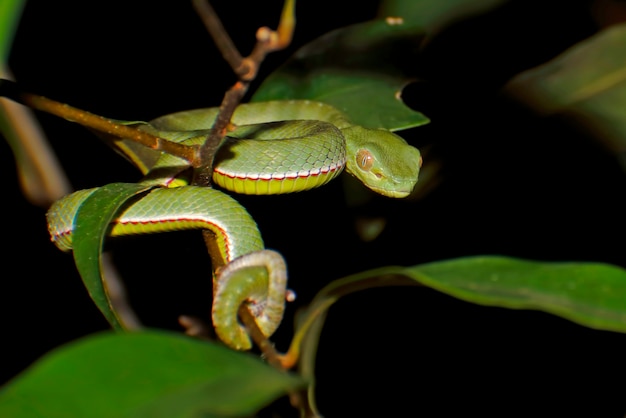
<point x="245" y="68"/>
<point x="272" y="356"/>
<point x="203" y="172"/>
<point x="267" y="348"/>
<point x="195" y="327"/>
<point x="12" y="91"/>
<point x="221" y="38"/>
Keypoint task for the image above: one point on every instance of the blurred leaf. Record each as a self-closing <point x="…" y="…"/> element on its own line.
<point x="360" y="69"/>
<point x="91" y="226"/>
<point x="10" y="12"/>
<point x="431" y="15"/>
<point x="41" y="178"/>
<point x="587" y="83"/>
<point x="148" y="374"/>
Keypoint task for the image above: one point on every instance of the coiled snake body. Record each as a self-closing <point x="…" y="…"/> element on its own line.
<point x="277" y="147"/>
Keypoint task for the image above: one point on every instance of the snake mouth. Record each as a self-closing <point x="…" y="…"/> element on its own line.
<point x="395" y="193"/>
<point x="398" y="194"/>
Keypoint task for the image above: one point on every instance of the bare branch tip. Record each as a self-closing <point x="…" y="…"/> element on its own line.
<point x="264" y="34"/>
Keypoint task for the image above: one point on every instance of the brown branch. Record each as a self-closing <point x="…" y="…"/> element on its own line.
<point x="221" y="38"/>
<point x="203" y="172"/>
<point x="245" y="68"/>
<point x="11" y="90"/>
<point x="265" y="345"/>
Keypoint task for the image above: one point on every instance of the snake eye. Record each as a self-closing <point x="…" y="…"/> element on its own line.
<point x="364" y="159"/>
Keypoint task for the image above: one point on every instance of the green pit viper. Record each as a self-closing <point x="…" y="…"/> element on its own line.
<point x="275" y="147"/>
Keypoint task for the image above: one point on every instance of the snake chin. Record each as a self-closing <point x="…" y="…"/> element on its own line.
<point x="398" y="194"/>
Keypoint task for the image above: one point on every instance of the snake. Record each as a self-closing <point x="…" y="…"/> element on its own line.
<point x="273" y="147"/>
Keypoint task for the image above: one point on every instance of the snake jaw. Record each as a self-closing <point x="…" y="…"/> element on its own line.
<point x="390" y="188"/>
<point x="392" y="193"/>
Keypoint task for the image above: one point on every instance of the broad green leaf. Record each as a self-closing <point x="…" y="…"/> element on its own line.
<point x="358" y="69"/>
<point x="144" y="374"/>
<point x="90" y="229"/>
<point x="430" y="15"/>
<point x="590" y="294"/>
<point x="10" y="12"/>
<point x="586" y="82"/>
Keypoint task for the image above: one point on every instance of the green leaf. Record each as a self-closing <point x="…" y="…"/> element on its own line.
<point x="433" y="14"/>
<point x="148" y="374"/>
<point x="590" y="294"/>
<point x="10" y="12"/>
<point x="586" y="82"/>
<point x="92" y="224"/>
<point x="358" y="69"/>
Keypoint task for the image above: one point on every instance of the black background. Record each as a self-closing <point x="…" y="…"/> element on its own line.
<point x="512" y="184"/>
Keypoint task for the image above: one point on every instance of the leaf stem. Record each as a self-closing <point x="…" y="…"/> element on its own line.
<point x="316" y="311"/>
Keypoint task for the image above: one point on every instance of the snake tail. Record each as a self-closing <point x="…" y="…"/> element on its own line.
<point x="258" y="279"/>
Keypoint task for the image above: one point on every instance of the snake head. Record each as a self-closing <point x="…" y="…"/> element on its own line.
<point x="382" y="161"/>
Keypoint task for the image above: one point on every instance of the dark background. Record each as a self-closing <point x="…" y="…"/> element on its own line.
<point x="512" y="184"/>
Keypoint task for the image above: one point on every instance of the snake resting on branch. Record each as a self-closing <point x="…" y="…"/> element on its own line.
<point x="275" y="147"/>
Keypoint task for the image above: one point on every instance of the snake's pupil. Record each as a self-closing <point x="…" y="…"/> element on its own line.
<point x="365" y="159"/>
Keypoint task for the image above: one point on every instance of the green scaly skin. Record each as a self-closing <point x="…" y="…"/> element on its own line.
<point x="311" y="143"/>
<point x="302" y="148"/>
<point x="261" y="284"/>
